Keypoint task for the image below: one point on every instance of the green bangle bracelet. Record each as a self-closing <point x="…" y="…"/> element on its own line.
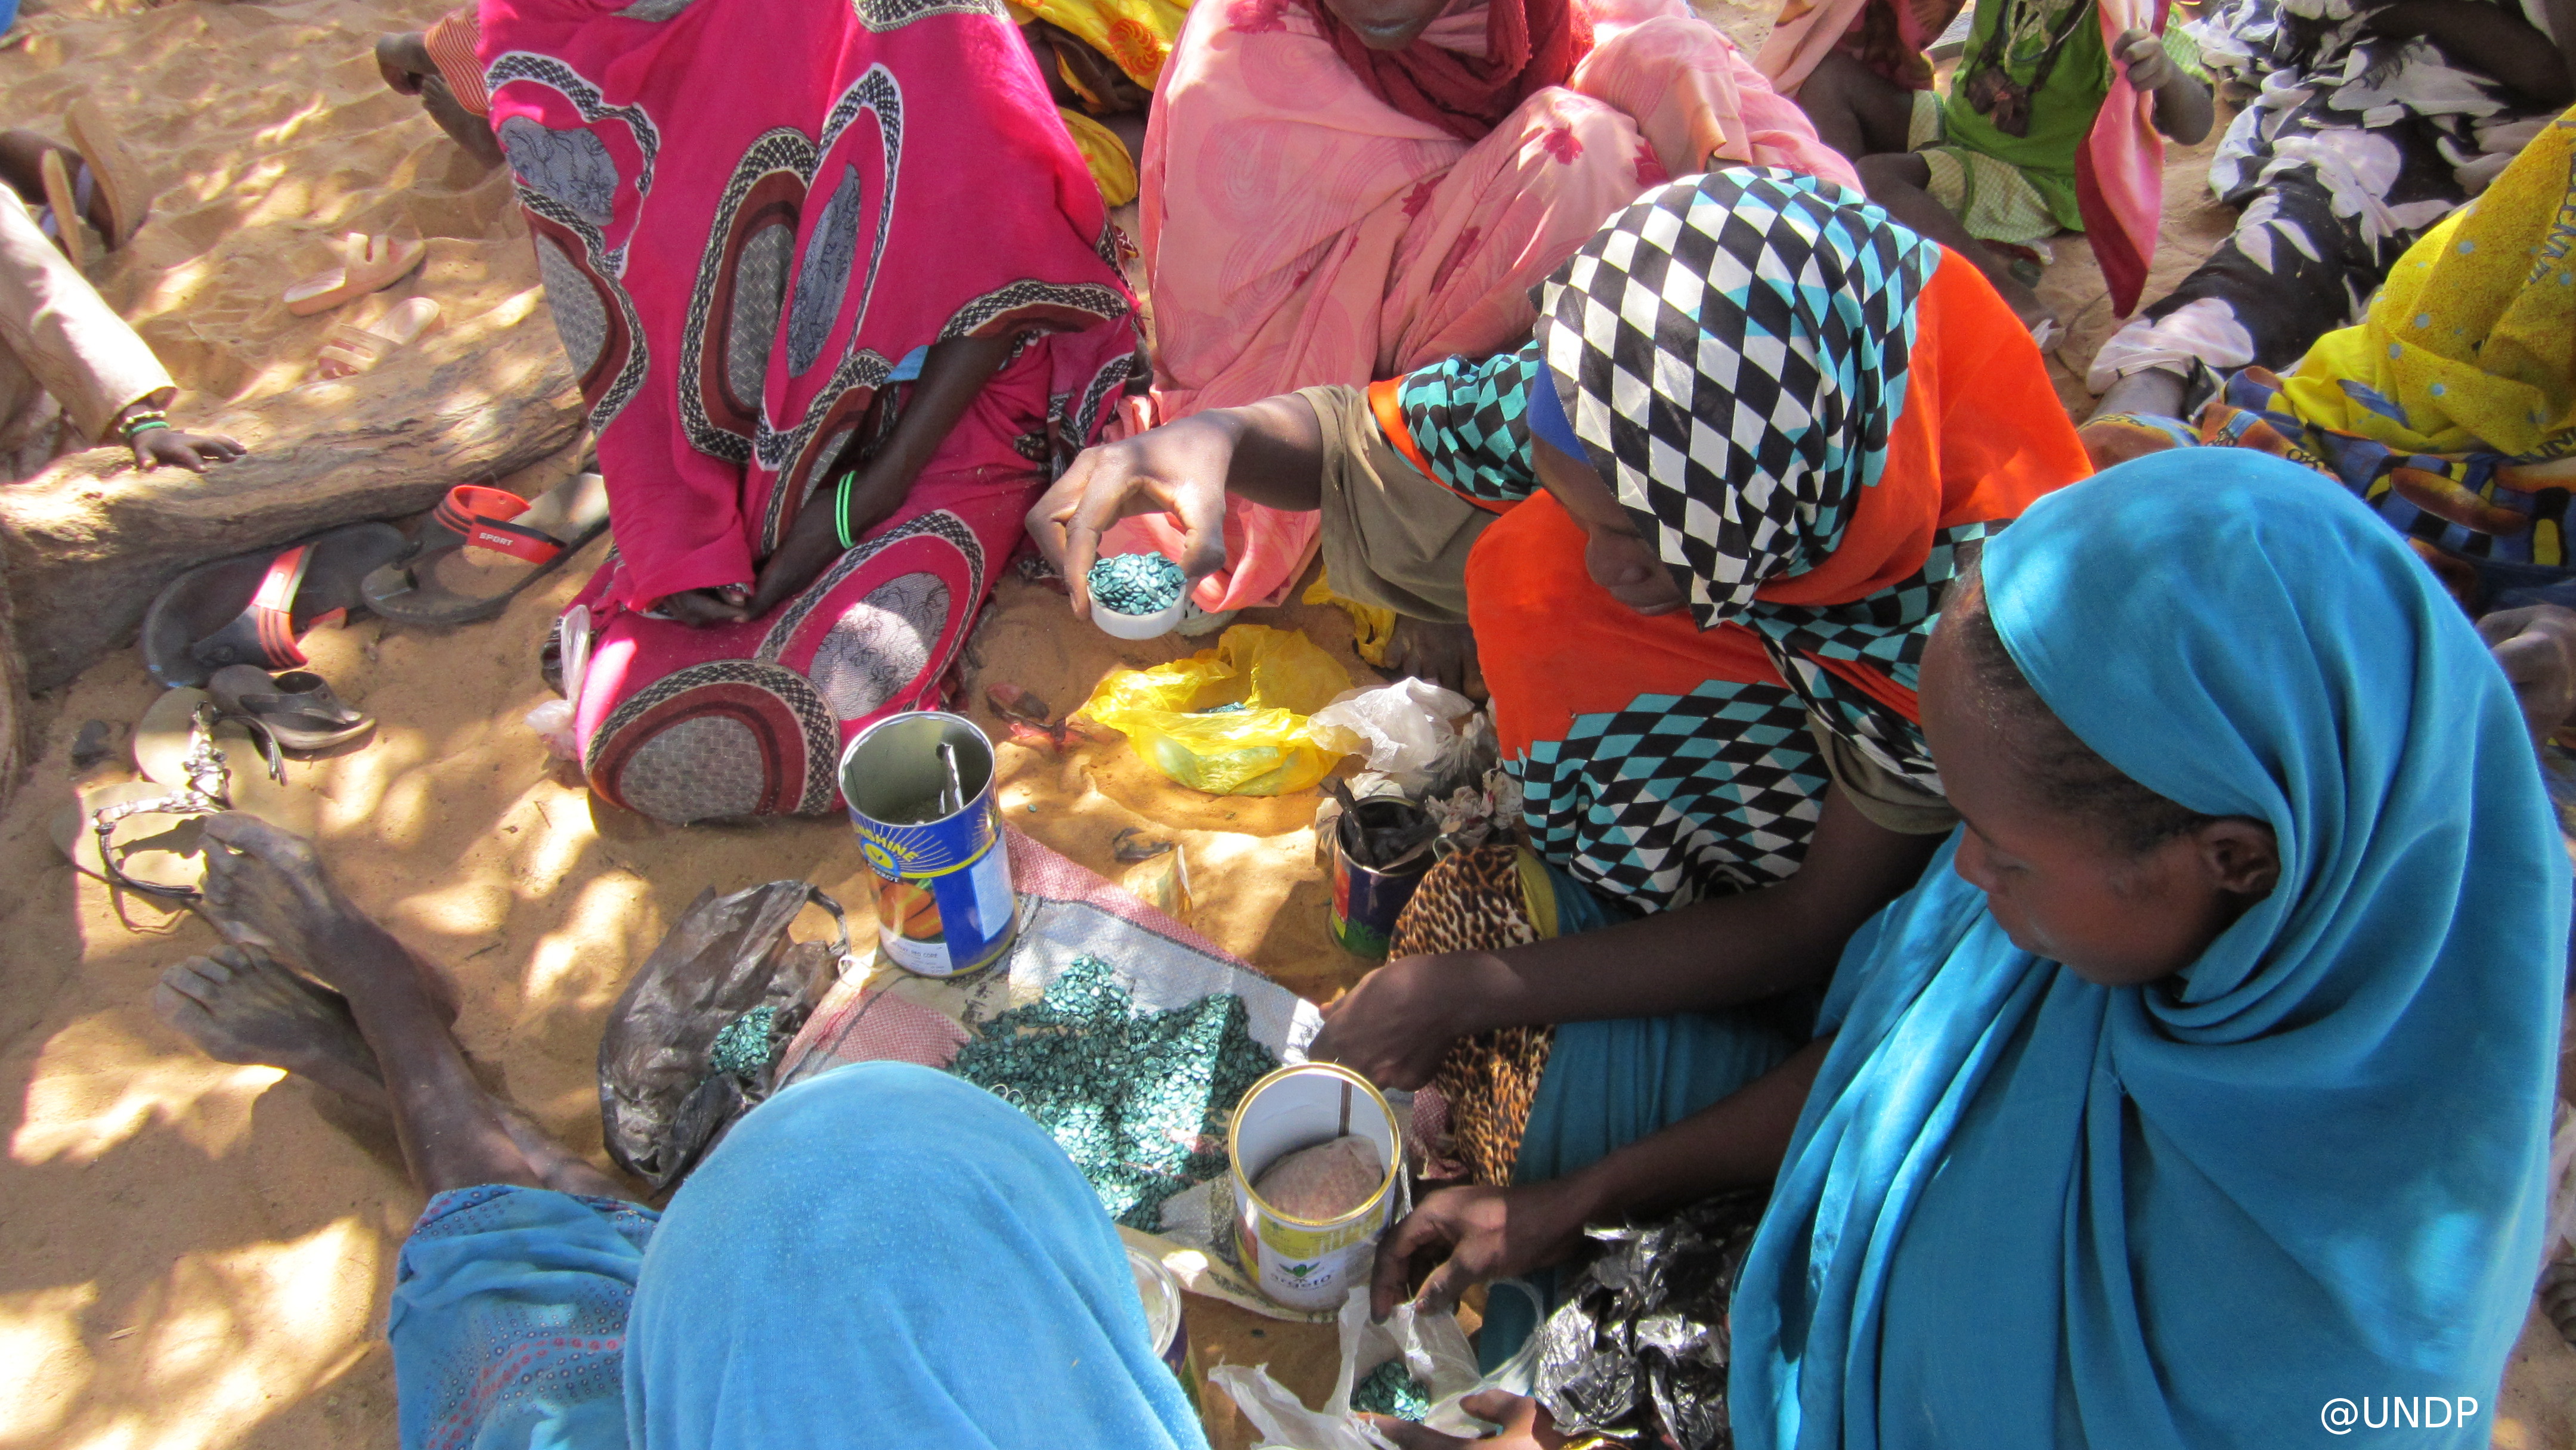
<point x="841" y="508"/>
<point x="143" y="425"/>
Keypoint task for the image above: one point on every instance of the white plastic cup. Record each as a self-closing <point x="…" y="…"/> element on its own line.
<point x="1138" y="626"/>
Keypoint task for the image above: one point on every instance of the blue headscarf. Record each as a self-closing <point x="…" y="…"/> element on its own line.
<point x="888" y="1256"/>
<point x="2302" y="1179"/>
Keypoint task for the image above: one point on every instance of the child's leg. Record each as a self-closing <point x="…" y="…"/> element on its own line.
<point x="1898" y="183"/>
<point x="2146" y="393"/>
<point x="462" y="126"/>
<point x="1856" y="111"/>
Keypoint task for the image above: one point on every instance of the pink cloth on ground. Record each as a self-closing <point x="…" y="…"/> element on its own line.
<point x="1298" y="231"/>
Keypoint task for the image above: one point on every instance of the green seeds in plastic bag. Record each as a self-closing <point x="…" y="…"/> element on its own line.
<point x="1172" y="713"/>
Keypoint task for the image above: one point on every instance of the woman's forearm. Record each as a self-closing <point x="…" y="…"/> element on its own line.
<point x="1670" y="962"/>
<point x="1278" y="453"/>
<point x="953" y="373"/>
<point x="1736" y="1142"/>
<point x="1711" y="954"/>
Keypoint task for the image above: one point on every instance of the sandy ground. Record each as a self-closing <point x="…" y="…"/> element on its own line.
<point x="191" y="1254"/>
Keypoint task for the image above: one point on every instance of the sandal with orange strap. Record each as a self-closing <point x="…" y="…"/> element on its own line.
<point x="251" y="609"/>
<point x="542" y="532"/>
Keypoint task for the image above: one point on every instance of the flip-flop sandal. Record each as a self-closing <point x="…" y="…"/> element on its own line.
<point x="70" y="219"/>
<point x="252" y="608"/>
<point x="113" y="170"/>
<point x="349" y="349"/>
<point x="543" y="531"/>
<point x="367" y="264"/>
<point x="140" y="847"/>
<point x="298" y="709"/>
<point x="186" y="734"/>
<point x="196" y="763"/>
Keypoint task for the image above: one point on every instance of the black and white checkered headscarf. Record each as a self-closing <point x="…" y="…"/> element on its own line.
<point x="1731" y="351"/>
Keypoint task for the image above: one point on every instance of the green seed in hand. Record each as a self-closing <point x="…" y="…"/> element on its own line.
<point x="1136" y="583"/>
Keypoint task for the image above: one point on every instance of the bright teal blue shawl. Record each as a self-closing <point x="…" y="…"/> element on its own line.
<point x="885" y="1255"/>
<point x="2022" y="1210"/>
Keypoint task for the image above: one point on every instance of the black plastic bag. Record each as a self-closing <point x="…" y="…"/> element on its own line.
<point x="664" y="1095"/>
<point x="1639" y="1349"/>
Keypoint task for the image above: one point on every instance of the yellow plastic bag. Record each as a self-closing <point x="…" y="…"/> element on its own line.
<point x="1269" y="747"/>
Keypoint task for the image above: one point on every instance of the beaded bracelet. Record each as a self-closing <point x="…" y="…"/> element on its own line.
<point x="841" y="508"/>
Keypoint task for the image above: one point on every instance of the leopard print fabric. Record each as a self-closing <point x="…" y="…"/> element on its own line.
<point x="1473" y="901"/>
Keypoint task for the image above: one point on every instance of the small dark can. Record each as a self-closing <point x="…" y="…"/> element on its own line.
<point x="1367" y="899"/>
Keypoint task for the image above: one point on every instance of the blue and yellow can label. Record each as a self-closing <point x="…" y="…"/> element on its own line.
<point x="928" y="850"/>
<point x="944" y="900"/>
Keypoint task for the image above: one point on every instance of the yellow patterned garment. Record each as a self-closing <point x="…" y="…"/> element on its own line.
<point x="2470" y="347"/>
<point x="1136" y="35"/>
<point x="1112" y="169"/>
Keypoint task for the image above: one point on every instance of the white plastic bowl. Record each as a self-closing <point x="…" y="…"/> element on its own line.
<point x="1138" y="626"/>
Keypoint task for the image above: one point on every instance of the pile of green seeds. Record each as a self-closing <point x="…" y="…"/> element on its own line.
<point x="742" y="1046"/>
<point x="1391" y="1389"/>
<point x="1136" y="583"/>
<point x="1139" y="1100"/>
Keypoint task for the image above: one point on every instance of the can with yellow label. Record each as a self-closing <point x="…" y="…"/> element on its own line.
<point x="1302" y="1263"/>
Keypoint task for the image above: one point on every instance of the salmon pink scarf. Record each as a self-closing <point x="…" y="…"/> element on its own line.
<point x="1529" y="44"/>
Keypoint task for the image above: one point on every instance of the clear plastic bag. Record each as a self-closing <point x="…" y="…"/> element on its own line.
<point x="1411" y="726"/>
<point x="1183" y="716"/>
<point x="553" y="723"/>
<point x="1434" y="1350"/>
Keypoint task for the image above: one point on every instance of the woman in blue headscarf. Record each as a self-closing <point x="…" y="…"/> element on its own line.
<point x="882" y="1255"/>
<point x="2199" y="1095"/>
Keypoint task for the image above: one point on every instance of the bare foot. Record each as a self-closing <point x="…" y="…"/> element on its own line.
<point x="558" y="1166"/>
<point x="1444" y="654"/>
<point x="268" y="892"/>
<point x="470" y="131"/>
<point x="240" y="1005"/>
<point x="403" y="60"/>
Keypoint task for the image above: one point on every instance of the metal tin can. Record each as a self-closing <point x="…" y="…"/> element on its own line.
<point x="944" y="900"/>
<point x="1167" y="1319"/>
<point x="1368" y="899"/>
<point x="1304" y="1263"/>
